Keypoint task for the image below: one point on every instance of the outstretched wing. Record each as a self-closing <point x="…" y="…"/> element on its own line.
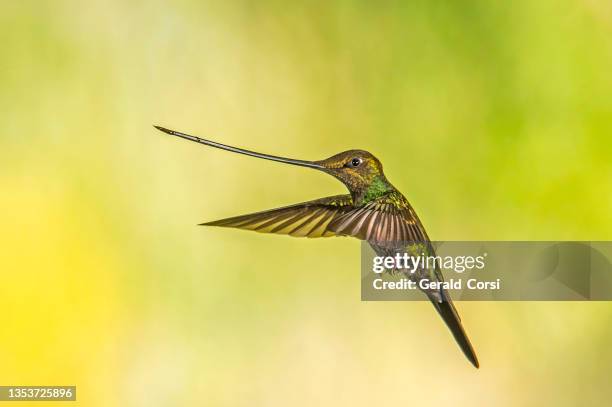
<point x="308" y="219"/>
<point x="387" y="219"/>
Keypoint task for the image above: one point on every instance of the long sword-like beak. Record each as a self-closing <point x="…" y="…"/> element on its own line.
<point x="301" y="163"/>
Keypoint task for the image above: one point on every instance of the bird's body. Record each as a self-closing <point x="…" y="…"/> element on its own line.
<point x="374" y="211"/>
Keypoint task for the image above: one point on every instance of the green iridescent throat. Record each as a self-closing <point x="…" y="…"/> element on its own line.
<point x="377" y="188"/>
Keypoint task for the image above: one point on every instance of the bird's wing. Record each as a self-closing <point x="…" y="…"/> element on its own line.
<point x="386" y="219"/>
<point x="307" y="219"/>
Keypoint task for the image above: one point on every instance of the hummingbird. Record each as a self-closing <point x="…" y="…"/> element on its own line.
<point x="373" y="210"/>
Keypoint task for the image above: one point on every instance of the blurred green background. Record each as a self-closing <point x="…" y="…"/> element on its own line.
<point x="495" y="120"/>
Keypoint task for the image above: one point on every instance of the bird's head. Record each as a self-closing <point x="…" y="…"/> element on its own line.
<point x="357" y="169"/>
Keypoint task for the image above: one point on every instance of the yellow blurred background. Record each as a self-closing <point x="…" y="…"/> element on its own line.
<point x="495" y="120"/>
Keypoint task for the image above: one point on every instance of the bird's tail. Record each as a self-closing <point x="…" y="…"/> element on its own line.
<point x="449" y="314"/>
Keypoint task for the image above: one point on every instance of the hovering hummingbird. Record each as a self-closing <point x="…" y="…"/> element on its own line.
<point x="374" y="211"/>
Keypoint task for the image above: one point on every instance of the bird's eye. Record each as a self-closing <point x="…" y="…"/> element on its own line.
<point x="355" y="162"/>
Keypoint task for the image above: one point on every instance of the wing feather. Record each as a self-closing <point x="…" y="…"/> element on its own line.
<point x="308" y="219"/>
<point x="386" y="219"/>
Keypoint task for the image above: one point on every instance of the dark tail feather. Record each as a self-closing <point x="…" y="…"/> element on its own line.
<point x="447" y="311"/>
